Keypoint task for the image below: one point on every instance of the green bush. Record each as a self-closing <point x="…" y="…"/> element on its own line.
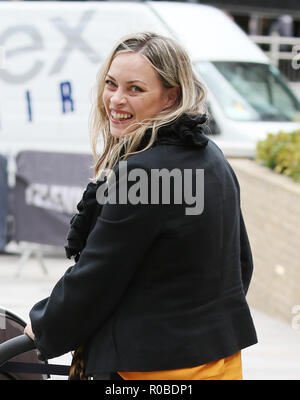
<point x="281" y="152"/>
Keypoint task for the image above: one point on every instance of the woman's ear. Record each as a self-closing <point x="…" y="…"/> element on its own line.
<point x="172" y="96"/>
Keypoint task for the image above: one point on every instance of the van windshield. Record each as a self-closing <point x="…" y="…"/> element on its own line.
<point x="250" y="91"/>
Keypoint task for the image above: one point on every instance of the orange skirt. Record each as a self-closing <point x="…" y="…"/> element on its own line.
<point x="228" y="368"/>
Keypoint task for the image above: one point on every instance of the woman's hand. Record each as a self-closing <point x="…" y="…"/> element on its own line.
<point x="28" y="331"/>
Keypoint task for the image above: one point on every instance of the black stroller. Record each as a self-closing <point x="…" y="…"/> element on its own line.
<point x="19" y="358"/>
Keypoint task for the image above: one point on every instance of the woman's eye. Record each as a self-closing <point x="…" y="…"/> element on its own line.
<point x="109" y="82"/>
<point x="136" y="89"/>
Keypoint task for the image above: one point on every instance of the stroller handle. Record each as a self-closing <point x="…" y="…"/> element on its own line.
<point x="15" y="346"/>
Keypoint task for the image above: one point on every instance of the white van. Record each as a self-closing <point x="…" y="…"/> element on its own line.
<point x="53" y="51"/>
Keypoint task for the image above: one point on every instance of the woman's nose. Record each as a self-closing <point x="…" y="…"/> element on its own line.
<point x="118" y="98"/>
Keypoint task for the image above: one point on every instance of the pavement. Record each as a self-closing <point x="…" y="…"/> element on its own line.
<point x="275" y="357"/>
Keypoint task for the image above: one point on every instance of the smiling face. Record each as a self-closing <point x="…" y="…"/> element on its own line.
<point x="133" y="92"/>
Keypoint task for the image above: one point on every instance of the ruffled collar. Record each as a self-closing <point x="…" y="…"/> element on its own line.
<point x="187" y="130"/>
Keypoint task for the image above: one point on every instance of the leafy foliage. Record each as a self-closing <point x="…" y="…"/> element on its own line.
<point x="281" y="152"/>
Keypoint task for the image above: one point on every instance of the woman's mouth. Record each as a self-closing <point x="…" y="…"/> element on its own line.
<point x="120" y="117"/>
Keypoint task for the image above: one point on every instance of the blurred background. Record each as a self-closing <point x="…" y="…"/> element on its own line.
<point x="247" y="55"/>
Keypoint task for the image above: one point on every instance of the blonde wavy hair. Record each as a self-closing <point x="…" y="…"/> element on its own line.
<point x="171" y="62"/>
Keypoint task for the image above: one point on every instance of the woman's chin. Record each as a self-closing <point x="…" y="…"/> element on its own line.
<point x="118" y="132"/>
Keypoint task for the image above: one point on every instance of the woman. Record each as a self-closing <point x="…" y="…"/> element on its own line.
<point x="158" y="288"/>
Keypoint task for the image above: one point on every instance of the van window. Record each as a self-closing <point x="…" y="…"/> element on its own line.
<point x="250" y="91"/>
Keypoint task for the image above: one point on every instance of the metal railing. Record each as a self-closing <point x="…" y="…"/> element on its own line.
<point x="283" y="52"/>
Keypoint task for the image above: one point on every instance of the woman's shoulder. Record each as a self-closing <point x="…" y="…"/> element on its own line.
<point x="154" y="157"/>
<point x="184" y="134"/>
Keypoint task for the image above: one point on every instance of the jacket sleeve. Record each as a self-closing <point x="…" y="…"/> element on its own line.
<point x="89" y="292"/>
<point x="246" y="255"/>
<point x="245" y="249"/>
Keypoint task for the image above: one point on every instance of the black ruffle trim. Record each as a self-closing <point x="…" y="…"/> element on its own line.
<point x="187" y="130"/>
<point x="81" y="223"/>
